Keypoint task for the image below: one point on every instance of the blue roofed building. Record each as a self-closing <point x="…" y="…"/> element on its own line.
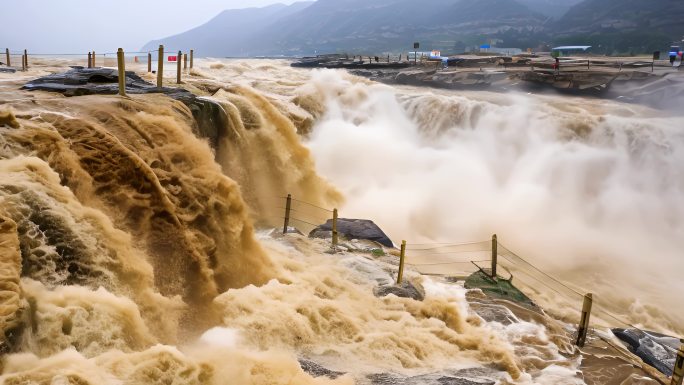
<point x="570" y="50"/>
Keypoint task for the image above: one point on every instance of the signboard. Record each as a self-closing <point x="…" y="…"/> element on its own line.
<point x="173" y="58"/>
<point x="485" y="46"/>
<point x="416" y="45"/>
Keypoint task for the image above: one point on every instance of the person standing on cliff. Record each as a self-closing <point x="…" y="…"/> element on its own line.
<point x="556" y="66"/>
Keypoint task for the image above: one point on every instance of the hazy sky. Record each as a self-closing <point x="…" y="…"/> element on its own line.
<point x="76" y="26"/>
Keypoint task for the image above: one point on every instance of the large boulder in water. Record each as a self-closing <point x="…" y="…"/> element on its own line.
<point x="355" y="229"/>
<point x="405" y="289"/>
<point x="655" y="349"/>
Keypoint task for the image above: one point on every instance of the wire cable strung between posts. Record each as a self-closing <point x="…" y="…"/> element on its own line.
<point x="601" y="309"/>
<point x="307" y="214"/>
<point x="447" y="263"/>
<point x="448" y="253"/>
<point x="440" y="245"/>
<point x="517" y="264"/>
<point x="303" y="221"/>
<point x="510" y="253"/>
<point x="538" y="280"/>
<point x="310" y="204"/>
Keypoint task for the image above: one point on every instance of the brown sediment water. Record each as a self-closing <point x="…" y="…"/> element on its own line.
<point x="129" y="250"/>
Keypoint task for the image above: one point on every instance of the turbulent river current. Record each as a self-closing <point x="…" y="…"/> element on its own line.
<point x="135" y="251"/>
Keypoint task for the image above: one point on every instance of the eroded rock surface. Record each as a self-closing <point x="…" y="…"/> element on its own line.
<point x="355" y="229"/>
<point x="78" y="81"/>
<point x="405" y="289"/>
<point x="655" y="349"/>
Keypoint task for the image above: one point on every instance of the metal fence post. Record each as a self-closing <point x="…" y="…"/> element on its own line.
<point x="160" y="67"/>
<point x="8" y="57"/>
<point x="90" y="60"/>
<point x="121" y="64"/>
<point x="583" y="327"/>
<point x="94" y="59"/>
<point x="495" y="254"/>
<point x="26" y="59"/>
<point x="185" y="61"/>
<point x="678" y="373"/>
<point x="334" y="229"/>
<point x="178" y="67"/>
<point x="149" y="62"/>
<point x="402" y="256"/>
<point x="288" y="205"/>
<point x="192" y="54"/>
<point x="23" y="62"/>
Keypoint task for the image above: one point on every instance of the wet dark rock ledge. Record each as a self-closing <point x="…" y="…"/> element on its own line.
<point x="79" y="81"/>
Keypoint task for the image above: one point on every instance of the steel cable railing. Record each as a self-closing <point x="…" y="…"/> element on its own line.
<point x="425" y="256"/>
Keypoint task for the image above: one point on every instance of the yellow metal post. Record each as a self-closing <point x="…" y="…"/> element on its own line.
<point x="334" y="229"/>
<point x="94" y="59"/>
<point x="192" y="54"/>
<point x="8" y="57"/>
<point x="495" y="254"/>
<point x="178" y="67"/>
<point x="160" y="67"/>
<point x="288" y="205"/>
<point x="121" y="64"/>
<point x="402" y="256"/>
<point x="584" y="321"/>
<point x="90" y="60"/>
<point x="185" y="61"/>
<point x="678" y="373"/>
<point x="149" y="62"/>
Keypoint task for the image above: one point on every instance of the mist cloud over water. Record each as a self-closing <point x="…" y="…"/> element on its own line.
<point x="588" y="189"/>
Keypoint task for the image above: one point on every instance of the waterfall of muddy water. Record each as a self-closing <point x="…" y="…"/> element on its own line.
<point x="589" y="190"/>
<point x="262" y="148"/>
<point x="128" y="253"/>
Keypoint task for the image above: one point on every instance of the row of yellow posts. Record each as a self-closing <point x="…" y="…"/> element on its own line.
<point x="121" y="64"/>
<point x="24" y="59"/>
<point x="582" y="329"/>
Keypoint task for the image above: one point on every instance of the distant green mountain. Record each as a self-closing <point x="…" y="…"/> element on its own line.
<point x="622" y="26"/>
<point x="226" y="34"/>
<point x="377" y="26"/>
<point x="550" y="8"/>
<point x="360" y="26"/>
<point x="390" y="25"/>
